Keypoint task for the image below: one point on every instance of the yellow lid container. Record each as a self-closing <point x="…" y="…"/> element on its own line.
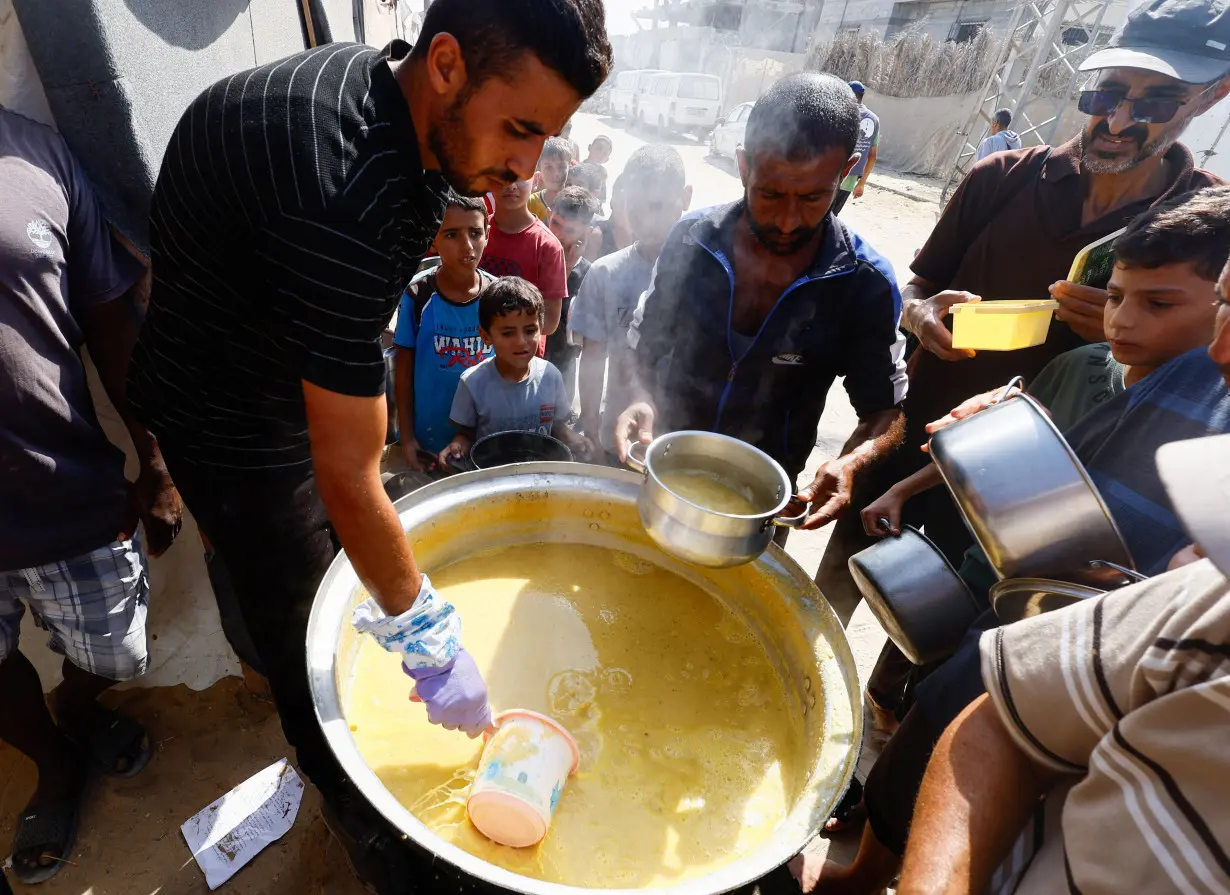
<point x="1001" y="325"/>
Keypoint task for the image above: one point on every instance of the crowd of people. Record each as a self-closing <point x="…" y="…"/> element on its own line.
<point x="246" y="361"/>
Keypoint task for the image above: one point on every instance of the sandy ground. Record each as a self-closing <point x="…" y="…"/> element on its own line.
<point x="209" y="741"/>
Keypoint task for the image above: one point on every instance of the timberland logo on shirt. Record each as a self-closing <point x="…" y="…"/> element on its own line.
<point x="40" y="235"/>
<point x="789" y="360"/>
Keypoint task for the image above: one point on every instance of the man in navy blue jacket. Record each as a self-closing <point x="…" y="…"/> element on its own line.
<point x="758" y="306"/>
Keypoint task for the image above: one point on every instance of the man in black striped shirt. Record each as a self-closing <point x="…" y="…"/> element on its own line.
<point x="293" y="205"/>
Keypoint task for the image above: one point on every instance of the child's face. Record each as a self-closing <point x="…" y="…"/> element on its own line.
<point x="599" y="152"/>
<point x="513" y="196"/>
<point x="554" y="172"/>
<point x="652" y="211"/>
<point x="1155" y="315"/>
<point x="1220" y="349"/>
<point x="514" y="338"/>
<point x="462" y="238"/>
<point x="571" y="234"/>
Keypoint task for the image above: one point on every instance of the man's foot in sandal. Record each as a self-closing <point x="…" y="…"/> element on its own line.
<point x="849" y="810"/>
<point x="47" y="828"/>
<point x="117" y="745"/>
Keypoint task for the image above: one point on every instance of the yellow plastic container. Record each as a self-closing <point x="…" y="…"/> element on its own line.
<point x="1001" y="325"/>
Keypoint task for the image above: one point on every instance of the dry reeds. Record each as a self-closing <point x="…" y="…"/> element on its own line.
<point x="911" y="63"/>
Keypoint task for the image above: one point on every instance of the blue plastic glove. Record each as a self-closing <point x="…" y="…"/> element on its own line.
<point x="454" y="694"/>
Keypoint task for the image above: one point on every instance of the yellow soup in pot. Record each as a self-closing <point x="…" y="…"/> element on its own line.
<point x="711" y="492"/>
<point x="690" y="754"/>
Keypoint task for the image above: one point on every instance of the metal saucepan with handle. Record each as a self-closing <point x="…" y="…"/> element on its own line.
<point x="1016" y="598"/>
<point x="918" y="598"/>
<point x="1026" y="497"/>
<point x="699" y="534"/>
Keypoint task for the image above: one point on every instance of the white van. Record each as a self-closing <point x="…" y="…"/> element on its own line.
<point x="687" y="102"/>
<point x="626" y="89"/>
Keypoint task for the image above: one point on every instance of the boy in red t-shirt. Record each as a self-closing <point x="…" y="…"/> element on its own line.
<point x="520" y="245"/>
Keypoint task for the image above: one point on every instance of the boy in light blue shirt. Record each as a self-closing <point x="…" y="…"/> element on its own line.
<point x="437" y="334"/>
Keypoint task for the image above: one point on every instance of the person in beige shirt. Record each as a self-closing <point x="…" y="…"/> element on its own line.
<point x="1098" y="762"/>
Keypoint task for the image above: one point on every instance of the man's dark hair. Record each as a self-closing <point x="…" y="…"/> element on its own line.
<point x="1004" y="118"/>
<point x="567" y="36"/>
<point x="509" y="295"/>
<point x="587" y="176"/>
<point x="575" y="202"/>
<point x="556" y="147"/>
<point x="602" y="138"/>
<point x="656" y="166"/>
<point x="1192" y="229"/>
<point x="465" y="203"/>
<point x="803" y="116"/>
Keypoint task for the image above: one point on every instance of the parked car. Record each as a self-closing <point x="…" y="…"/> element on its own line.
<point x="681" y="103"/>
<point x="728" y="134"/>
<point x="626" y="89"/>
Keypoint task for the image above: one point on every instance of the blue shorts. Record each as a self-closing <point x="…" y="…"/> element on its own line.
<point x="93" y="606"/>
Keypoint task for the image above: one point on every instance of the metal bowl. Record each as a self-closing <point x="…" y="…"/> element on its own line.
<point x="1018" y="598"/>
<point x="918" y="598"/>
<point x="503" y="448"/>
<point x="1026" y="497"/>
<point x="699" y="534"/>
<point x="569" y="502"/>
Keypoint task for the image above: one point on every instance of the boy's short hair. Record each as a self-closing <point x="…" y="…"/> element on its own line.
<point x="603" y="138"/>
<point x="568" y="37"/>
<point x="576" y="203"/>
<point x="1192" y="229"/>
<point x="465" y="203"/>
<point x="586" y="175"/>
<point x="803" y="116"/>
<point x="655" y="167"/>
<point x="509" y="295"/>
<point x="556" y="147"/>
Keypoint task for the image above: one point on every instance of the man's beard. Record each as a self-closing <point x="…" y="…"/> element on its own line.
<point x="770" y="237"/>
<point x="1096" y="165"/>
<point x="450" y="143"/>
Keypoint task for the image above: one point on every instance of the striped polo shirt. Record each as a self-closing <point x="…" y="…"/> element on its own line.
<point x="290" y="212"/>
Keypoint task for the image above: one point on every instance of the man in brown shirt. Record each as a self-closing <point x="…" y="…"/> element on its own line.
<point x="1116" y="710"/>
<point x="1013" y="227"/>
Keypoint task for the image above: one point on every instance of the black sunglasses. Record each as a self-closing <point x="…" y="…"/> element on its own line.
<point x="1102" y="104"/>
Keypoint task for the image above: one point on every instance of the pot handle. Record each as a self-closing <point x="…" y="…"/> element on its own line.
<point x="1122" y="570"/>
<point x="792" y="521"/>
<point x="637" y="463"/>
<point x="1012" y="383"/>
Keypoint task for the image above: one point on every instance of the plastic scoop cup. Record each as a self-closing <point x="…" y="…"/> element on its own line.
<point x="521" y="776"/>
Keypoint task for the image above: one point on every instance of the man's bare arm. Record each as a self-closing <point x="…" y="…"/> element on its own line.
<point x="590" y="380"/>
<point x="635" y="423"/>
<point x="976" y="797"/>
<point x="347" y="436"/>
<point x="872" y="440"/>
<point x="111" y="330"/>
<point x="554" y="310"/>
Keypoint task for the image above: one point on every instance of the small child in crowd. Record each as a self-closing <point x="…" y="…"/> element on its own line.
<point x="520" y="245"/>
<point x="514" y="391"/>
<point x="656" y="194"/>
<point x="600" y="150"/>
<point x="437" y="335"/>
<point x="570" y="221"/>
<point x="591" y="178"/>
<point x="553" y="167"/>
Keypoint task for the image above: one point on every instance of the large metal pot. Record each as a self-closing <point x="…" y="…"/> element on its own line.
<point x="503" y="448"/>
<point x="570" y="502"/>
<point x="698" y="534"/>
<point x="1026" y="497"/>
<point x="918" y="598"/>
<point x="1019" y="598"/>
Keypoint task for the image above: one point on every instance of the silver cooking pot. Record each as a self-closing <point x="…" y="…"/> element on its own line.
<point x="1026" y="497"/>
<point x="1015" y="599"/>
<point x="531" y="503"/>
<point x="698" y="534"/>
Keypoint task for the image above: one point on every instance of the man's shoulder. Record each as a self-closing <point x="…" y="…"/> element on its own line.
<point x="31" y="140"/>
<point x="617" y="260"/>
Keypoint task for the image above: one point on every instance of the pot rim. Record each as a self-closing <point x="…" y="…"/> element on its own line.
<point x="1040" y="412"/>
<point x="330" y="607"/>
<point x="787" y="486"/>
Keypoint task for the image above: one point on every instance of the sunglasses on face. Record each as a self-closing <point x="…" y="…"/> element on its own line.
<point x="1103" y="103"/>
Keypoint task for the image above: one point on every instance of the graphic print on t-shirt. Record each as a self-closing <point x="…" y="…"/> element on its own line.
<point x="502" y="267"/>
